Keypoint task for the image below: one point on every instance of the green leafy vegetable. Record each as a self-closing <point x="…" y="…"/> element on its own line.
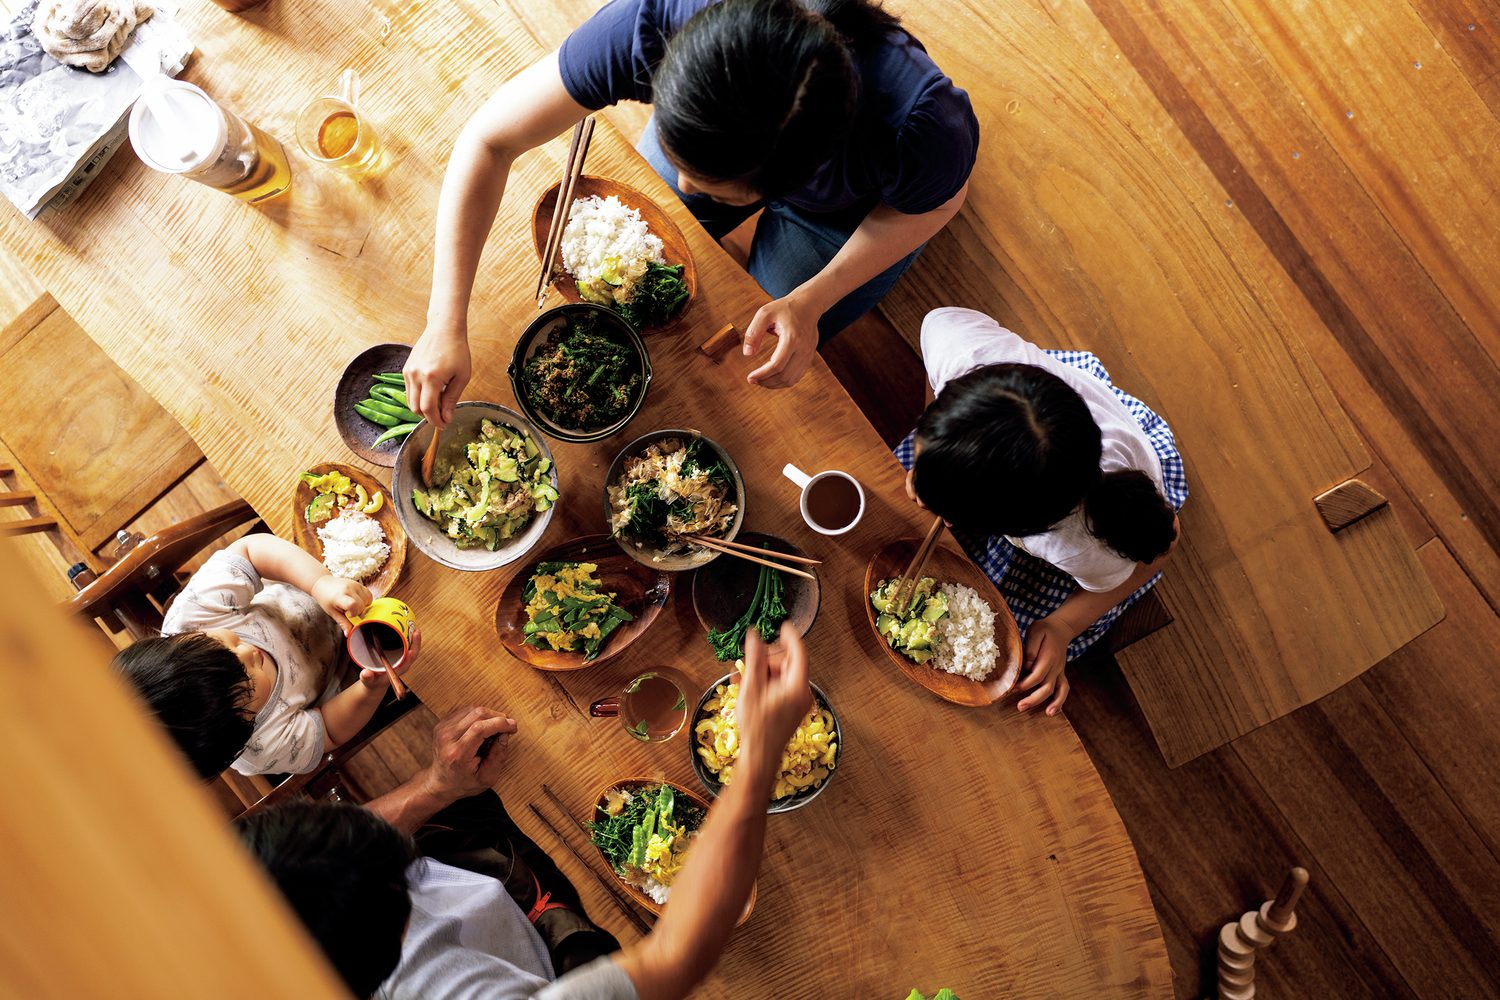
<point x="618" y="835"/>
<point x="657" y="296"/>
<point x="584" y="379"/>
<point x="766" y="612"/>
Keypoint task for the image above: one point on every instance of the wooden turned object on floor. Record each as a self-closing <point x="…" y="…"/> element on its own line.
<point x="1240" y="939"/>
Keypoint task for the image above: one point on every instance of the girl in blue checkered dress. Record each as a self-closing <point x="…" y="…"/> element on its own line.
<point x="1063" y="488"/>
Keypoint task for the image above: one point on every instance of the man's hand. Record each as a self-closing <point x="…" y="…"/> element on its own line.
<point x="458" y="768"/>
<point x="437" y="370"/>
<point x="375" y="679"/>
<point x="774" y="696"/>
<point x="1046" y="658"/>
<point x="795" y="323"/>
<point x="341" y="598"/>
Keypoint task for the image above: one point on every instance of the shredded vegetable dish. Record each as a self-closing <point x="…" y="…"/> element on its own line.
<point x="488" y="494"/>
<point x="671" y="489"/>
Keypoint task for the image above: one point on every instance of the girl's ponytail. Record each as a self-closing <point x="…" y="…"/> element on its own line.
<point x="1126" y="512"/>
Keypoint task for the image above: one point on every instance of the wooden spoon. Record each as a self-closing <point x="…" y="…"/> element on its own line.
<point x="429" y="456"/>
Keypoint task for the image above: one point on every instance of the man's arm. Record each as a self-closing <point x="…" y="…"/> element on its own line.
<point x="458" y="768"/>
<point x="710" y="894"/>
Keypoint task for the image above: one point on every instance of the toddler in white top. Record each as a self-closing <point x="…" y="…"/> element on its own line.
<point x="248" y="673"/>
<point x="1037" y="451"/>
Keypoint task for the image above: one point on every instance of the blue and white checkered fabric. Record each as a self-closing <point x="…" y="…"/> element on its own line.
<point x="1034" y="588"/>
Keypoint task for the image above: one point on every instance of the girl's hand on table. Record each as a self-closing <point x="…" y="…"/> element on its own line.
<point x="341" y="598"/>
<point x="437" y="371"/>
<point x="795" y="324"/>
<point x="375" y="679"/>
<point x="1045" y="659"/>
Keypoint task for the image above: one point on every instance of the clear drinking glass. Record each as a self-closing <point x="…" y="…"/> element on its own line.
<point x="653" y="707"/>
<point x="331" y="129"/>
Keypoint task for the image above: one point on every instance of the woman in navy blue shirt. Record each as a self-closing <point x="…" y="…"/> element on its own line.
<point x="823" y="112"/>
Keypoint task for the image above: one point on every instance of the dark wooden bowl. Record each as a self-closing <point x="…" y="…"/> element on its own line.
<point x="630" y="785"/>
<point x="354" y="385"/>
<point x="948" y="566"/>
<point x="722" y="590"/>
<point x="674" y="245"/>
<point x="640" y="590"/>
<point x="306" y="535"/>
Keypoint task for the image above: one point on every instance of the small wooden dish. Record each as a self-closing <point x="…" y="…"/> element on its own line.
<point x="306" y="535"/>
<point x="631" y="785"/>
<point x="674" y="245"/>
<point x="639" y="589"/>
<point x="948" y="566"/>
<point x="722" y="590"/>
<point x="354" y="386"/>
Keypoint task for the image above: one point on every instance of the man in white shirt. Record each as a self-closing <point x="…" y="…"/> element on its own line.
<point x="397" y="926"/>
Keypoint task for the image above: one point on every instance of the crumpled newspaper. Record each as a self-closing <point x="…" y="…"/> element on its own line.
<point x="58" y="125"/>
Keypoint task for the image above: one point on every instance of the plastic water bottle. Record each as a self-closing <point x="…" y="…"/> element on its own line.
<point x="178" y="129"/>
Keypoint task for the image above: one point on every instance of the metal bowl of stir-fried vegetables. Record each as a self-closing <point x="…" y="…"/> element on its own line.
<point x="493" y="488"/>
<point x="580" y="372"/>
<point x="666" y="486"/>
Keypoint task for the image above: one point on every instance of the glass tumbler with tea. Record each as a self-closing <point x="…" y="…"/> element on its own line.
<point x="178" y="129"/>
<point x="653" y="707"/>
<point x="331" y="129"/>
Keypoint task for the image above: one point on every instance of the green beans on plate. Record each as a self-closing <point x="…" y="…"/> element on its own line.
<point x="386" y="405"/>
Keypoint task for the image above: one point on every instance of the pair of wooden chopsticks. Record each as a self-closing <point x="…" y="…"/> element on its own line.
<point x="906" y="584"/>
<point x="583" y="134"/>
<point x="749" y="553"/>
<point x="620" y="898"/>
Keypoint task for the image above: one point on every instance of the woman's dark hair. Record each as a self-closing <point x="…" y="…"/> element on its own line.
<point x="343" y="869"/>
<point x="760" y="92"/>
<point x="198" y="690"/>
<point x="1011" y="449"/>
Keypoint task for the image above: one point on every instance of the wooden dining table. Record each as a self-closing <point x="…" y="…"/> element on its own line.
<point x="971" y="848"/>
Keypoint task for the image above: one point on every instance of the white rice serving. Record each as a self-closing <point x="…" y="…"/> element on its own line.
<point x="965" y="637"/>
<point x="354" y="546"/>
<point x="606" y="247"/>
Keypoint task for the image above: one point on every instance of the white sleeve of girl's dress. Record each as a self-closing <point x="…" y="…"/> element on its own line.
<point x="956" y="341"/>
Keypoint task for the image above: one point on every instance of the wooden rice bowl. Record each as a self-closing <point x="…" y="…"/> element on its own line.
<point x="638" y="589"/>
<point x="947" y="566"/>
<point x="674" y="244"/>
<point x="631" y="785"/>
<point x="306" y="535"/>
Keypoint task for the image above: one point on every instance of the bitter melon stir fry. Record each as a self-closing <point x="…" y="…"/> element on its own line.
<point x="810" y="756"/>
<point x="582" y="379"/>
<point x="566" y="611"/>
<point x="645" y="832"/>
<point x="489" y="493"/>
<point x="671" y="489"/>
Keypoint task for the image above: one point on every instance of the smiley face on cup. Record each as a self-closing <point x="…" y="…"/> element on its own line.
<point x="381" y="637"/>
<point x="832" y="502"/>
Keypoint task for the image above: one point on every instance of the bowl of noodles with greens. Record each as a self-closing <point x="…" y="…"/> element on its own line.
<point x="668" y="487"/>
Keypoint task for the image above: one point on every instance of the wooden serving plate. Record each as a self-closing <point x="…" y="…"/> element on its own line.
<point x="674" y="245"/>
<point x="638" y="589"/>
<point x="306" y="535"/>
<point x="947" y="566"/>
<point x="631" y="784"/>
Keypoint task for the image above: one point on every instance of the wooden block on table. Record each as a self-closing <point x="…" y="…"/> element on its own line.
<point x="94" y="443"/>
<point x="1347" y="503"/>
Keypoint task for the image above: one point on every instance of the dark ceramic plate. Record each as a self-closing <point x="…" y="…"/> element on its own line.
<point x="354" y="386"/>
<point x="722" y="590"/>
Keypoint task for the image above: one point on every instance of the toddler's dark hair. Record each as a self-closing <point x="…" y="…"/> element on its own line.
<point x="343" y="869"/>
<point x="1011" y="449"/>
<point x="760" y="92"/>
<point x="198" y="690"/>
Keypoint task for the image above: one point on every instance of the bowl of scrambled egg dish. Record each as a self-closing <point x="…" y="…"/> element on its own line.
<point x="807" y="763"/>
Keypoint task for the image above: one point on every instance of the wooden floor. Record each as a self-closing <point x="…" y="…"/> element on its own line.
<point x="1359" y="144"/>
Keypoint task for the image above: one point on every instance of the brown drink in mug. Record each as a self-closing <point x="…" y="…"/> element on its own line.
<point x="832" y="502"/>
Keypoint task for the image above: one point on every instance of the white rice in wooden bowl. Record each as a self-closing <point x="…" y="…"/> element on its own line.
<point x="354" y="546"/>
<point x="965" y="637"/>
<point x="606" y="246"/>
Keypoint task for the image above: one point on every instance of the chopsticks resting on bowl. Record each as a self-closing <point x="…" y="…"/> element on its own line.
<point x="620" y="898"/>
<point x="906" y="585"/>
<point x="583" y="134"/>
<point x="763" y="556"/>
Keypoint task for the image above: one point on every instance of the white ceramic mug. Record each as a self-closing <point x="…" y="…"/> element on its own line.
<point x="806" y="483"/>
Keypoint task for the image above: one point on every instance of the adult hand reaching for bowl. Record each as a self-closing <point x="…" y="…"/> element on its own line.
<point x="794" y="321"/>
<point x="774" y="697"/>
<point x="437" y="372"/>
